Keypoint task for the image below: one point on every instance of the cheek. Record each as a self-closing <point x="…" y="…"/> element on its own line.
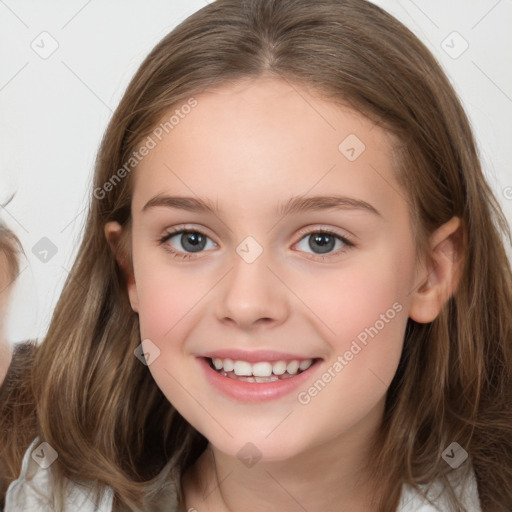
<point x="355" y="298"/>
<point x="166" y="308"/>
<point x="165" y="297"/>
<point x="363" y="309"/>
<point x="366" y="313"/>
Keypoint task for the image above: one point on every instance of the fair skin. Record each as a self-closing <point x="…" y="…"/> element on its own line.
<point x="5" y="358"/>
<point x="5" y="290"/>
<point x="249" y="148"/>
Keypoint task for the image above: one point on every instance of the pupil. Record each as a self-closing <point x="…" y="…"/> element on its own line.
<point x="193" y="242"/>
<point x="324" y="241"/>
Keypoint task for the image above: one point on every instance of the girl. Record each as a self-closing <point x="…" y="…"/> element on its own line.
<point x="292" y="292"/>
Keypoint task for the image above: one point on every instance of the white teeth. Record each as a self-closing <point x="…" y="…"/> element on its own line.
<point x="262" y="369"/>
<point x="279" y="368"/>
<point x="272" y="378"/>
<point x="292" y="367"/>
<point x="243" y="368"/>
<point x="304" y="365"/>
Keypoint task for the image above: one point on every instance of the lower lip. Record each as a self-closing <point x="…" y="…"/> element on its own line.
<point x="253" y="391"/>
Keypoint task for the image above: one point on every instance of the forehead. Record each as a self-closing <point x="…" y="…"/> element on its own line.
<point x="263" y="138"/>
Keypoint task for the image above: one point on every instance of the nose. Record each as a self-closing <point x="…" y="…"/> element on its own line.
<point x="252" y="295"/>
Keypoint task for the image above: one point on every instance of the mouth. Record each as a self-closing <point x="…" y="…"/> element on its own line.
<point x="260" y="372"/>
<point x="257" y="376"/>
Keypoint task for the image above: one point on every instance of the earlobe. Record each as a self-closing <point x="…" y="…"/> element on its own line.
<point x="444" y="268"/>
<point x="113" y="233"/>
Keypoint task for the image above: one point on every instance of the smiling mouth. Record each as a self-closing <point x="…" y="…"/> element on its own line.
<point x="260" y="372"/>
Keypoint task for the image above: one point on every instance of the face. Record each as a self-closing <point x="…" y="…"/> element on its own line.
<point x="272" y="275"/>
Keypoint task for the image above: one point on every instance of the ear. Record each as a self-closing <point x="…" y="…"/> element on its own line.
<point x="444" y="269"/>
<point x="113" y="234"/>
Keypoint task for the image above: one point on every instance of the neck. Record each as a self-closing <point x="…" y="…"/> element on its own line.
<point x="329" y="476"/>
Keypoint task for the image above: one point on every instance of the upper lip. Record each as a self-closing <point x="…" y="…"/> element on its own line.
<point x="254" y="356"/>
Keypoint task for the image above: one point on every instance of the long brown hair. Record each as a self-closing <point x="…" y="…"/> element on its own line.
<point x="454" y="381"/>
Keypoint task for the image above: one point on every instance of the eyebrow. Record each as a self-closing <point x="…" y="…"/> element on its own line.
<point x="295" y="204"/>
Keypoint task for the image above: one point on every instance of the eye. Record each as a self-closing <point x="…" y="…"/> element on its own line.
<point x="324" y="241"/>
<point x="182" y="243"/>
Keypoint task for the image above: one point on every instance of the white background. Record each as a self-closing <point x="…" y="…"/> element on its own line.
<point x="53" y="111"/>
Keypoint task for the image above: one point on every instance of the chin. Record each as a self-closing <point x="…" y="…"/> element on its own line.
<point x="249" y="445"/>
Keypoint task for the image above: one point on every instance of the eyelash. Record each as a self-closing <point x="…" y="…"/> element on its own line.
<point x="303" y="232"/>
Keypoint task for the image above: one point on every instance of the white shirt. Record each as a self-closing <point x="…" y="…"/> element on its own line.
<point x="32" y="492"/>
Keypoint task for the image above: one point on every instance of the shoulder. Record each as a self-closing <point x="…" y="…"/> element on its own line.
<point x="463" y="483"/>
<point x="33" y="490"/>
